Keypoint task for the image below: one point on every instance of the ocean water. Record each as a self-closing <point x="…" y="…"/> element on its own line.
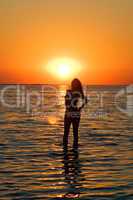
<point x="33" y="163"/>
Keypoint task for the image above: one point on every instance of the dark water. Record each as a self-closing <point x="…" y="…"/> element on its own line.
<point x="33" y="164"/>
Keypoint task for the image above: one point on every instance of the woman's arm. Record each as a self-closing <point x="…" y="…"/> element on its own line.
<point x="84" y="102"/>
<point x="68" y="98"/>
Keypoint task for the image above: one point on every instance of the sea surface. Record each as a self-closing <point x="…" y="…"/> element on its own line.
<point x="33" y="162"/>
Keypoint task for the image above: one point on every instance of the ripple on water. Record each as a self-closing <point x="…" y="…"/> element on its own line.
<point x="34" y="165"/>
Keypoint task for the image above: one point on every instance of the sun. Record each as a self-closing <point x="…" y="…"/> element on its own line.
<point x="64" y="68"/>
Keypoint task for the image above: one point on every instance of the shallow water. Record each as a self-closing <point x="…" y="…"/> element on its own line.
<point x="33" y="164"/>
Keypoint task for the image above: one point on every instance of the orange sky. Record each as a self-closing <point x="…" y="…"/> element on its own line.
<point x="97" y="32"/>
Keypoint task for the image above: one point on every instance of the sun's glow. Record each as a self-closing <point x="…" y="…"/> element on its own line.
<point x="64" y="68"/>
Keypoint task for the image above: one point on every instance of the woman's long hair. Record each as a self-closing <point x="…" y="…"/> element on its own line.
<point x="76" y="86"/>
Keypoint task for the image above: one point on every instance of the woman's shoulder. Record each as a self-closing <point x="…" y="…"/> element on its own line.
<point x="68" y="91"/>
<point x="73" y="93"/>
<point x="68" y="94"/>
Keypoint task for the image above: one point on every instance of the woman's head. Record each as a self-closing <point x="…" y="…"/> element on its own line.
<point x="76" y="86"/>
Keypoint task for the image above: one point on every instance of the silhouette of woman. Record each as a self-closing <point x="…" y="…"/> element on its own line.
<point x="73" y="111"/>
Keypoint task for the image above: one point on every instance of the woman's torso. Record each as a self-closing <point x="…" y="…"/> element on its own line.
<point x="71" y="101"/>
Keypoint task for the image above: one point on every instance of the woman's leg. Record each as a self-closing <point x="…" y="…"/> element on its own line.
<point x="67" y="124"/>
<point x="75" y="123"/>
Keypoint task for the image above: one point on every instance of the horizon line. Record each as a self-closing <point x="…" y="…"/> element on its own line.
<point x="113" y="84"/>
